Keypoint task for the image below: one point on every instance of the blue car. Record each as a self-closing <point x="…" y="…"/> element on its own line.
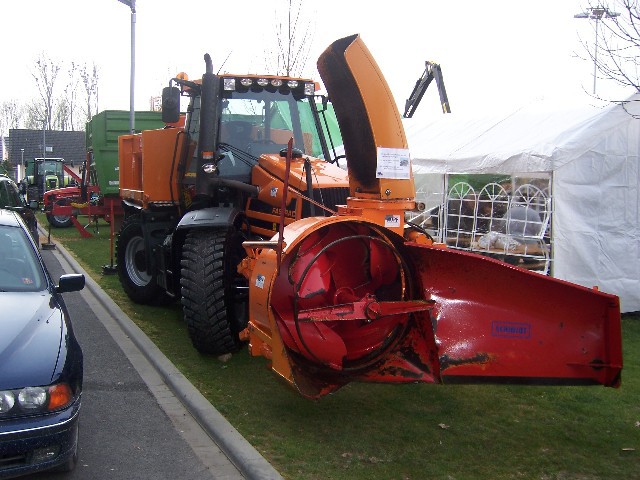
<point x="40" y="359"/>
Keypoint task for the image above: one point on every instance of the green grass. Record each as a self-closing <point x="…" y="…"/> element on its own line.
<point x="371" y="431"/>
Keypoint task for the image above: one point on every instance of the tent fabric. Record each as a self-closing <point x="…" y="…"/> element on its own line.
<point x="592" y="155"/>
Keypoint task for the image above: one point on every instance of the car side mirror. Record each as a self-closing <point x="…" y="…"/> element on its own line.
<point x="71" y="282"/>
<point x="34" y="204"/>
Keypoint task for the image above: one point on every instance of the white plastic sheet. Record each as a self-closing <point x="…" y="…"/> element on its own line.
<point x="592" y="154"/>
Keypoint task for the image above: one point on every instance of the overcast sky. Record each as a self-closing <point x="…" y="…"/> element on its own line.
<point x="495" y="54"/>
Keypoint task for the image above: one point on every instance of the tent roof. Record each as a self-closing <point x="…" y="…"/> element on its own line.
<point x="536" y="138"/>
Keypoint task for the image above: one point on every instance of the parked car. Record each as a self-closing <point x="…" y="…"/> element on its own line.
<point x="11" y="199"/>
<point x="40" y="359"/>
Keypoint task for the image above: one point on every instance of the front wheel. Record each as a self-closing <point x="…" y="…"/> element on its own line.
<point x="136" y="276"/>
<point x="214" y="295"/>
<point x="59" y="221"/>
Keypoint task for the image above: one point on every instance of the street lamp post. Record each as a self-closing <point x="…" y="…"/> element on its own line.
<point x="44" y="139"/>
<point x="597" y="14"/>
<point x="132" y="5"/>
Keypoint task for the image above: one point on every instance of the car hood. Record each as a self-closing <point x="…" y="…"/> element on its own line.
<point x="31" y="327"/>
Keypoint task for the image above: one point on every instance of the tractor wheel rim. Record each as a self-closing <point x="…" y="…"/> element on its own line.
<point x="134" y="262"/>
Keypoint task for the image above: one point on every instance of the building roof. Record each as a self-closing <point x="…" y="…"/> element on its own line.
<point x="60" y="144"/>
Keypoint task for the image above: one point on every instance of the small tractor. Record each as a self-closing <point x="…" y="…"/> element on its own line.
<point x="244" y="216"/>
<point x="44" y="174"/>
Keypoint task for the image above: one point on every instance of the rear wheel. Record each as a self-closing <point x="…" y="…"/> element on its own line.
<point x="214" y="295"/>
<point x="136" y="277"/>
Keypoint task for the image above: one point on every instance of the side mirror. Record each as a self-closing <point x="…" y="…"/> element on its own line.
<point x="170" y="104"/>
<point x="71" y="282"/>
<point x="295" y="153"/>
<point x="34" y="204"/>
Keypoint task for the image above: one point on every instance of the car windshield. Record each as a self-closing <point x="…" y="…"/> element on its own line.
<point x="20" y="270"/>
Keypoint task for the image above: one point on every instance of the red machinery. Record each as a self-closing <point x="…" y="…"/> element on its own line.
<point x="62" y="206"/>
<point x="357" y="296"/>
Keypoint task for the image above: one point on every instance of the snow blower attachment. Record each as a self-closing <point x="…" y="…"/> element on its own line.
<point x="359" y="297"/>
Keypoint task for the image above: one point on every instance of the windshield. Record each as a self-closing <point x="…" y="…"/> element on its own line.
<point x="263" y="122"/>
<point x="50" y="167"/>
<point x="20" y="270"/>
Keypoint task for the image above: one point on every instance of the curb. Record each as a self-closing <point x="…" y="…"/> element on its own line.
<point x="242" y="454"/>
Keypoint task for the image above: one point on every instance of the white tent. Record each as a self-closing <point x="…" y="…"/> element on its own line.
<point x="592" y="156"/>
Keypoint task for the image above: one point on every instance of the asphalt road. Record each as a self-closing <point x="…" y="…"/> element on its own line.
<point x="132" y="426"/>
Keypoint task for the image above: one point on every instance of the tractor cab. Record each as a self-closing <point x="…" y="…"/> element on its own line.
<point x="256" y="116"/>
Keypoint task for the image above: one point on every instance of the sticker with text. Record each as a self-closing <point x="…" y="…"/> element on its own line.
<point x="510" y="329"/>
<point x="391" y="221"/>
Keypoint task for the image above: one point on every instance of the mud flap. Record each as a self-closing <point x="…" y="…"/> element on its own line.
<point x="496" y="323"/>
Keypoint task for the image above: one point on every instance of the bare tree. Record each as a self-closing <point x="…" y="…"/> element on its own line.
<point x="10" y="116"/>
<point x="90" y="78"/>
<point x="62" y="115"/>
<point x="45" y="76"/>
<point x="68" y="104"/>
<point x="34" y="118"/>
<point x="294" y="38"/>
<point x="615" y="48"/>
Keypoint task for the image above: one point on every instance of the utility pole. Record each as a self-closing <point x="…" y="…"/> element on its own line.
<point x="597" y="14"/>
<point x="132" y="5"/>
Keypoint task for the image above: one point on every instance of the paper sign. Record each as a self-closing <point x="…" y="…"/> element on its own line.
<point x="393" y="163"/>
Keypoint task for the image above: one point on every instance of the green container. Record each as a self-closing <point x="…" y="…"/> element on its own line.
<point x="102" y="135"/>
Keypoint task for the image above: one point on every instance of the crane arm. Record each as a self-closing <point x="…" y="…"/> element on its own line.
<point x="431" y="72"/>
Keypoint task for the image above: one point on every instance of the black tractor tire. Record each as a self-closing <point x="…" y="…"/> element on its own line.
<point x="59" y="221"/>
<point x="33" y="193"/>
<point x="214" y="295"/>
<point x="138" y="283"/>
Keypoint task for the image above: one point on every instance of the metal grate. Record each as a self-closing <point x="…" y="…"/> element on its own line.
<point x="329" y="197"/>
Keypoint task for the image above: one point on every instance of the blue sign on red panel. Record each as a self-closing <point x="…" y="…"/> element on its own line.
<point x="511" y="329"/>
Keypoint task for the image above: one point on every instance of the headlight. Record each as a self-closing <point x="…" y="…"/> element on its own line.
<point x="309" y="88"/>
<point x="229" y="83"/>
<point x="34" y="399"/>
<point x="209" y="168"/>
<point x="7" y="400"/>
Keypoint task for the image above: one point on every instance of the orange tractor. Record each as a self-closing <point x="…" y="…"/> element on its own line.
<point x="354" y="295"/>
